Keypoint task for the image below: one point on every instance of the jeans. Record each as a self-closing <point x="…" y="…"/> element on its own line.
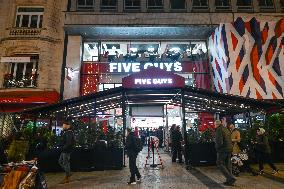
<point x="64" y="162"/>
<point x="177" y="153"/>
<point x="265" y="158"/>
<point x="225" y="165"/>
<point x="132" y="165"/>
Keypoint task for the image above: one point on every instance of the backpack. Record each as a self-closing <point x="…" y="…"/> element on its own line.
<point x="138" y="144"/>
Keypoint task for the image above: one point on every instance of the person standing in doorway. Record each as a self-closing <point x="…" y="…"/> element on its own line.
<point x="263" y="151"/>
<point x="176" y="145"/>
<point x="68" y="142"/>
<point x="224" y="148"/>
<point x="132" y="152"/>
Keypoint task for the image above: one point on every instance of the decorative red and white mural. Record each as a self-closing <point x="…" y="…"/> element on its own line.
<point x="247" y="58"/>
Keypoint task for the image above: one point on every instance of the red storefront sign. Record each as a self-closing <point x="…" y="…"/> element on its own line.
<point x="18" y="100"/>
<point x="153" y="78"/>
<point x="132" y="67"/>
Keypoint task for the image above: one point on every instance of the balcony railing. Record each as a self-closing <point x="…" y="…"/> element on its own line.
<point x="27" y="81"/>
<point x="25" y="31"/>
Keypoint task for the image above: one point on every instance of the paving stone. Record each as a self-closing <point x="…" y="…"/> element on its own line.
<point x="173" y="176"/>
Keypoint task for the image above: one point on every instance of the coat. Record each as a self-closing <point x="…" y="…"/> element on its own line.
<point x="223" y="141"/>
<point x="262" y="144"/>
<point x="236" y="139"/>
<point x="68" y="141"/>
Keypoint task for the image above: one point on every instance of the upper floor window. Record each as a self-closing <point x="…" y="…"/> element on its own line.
<point x="29" y="17"/>
<point x="244" y="3"/>
<point x="132" y="4"/>
<point x="222" y="3"/>
<point x="108" y="4"/>
<point x="265" y="3"/>
<point x="178" y="4"/>
<point x="200" y="3"/>
<point x="22" y="74"/>
<point x="155" y="4"/>
<point x="282" y="3"/>
<point x="85" y="4"/>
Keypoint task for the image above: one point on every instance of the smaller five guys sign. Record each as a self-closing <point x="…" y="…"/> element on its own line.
<point x="153" y="78"/>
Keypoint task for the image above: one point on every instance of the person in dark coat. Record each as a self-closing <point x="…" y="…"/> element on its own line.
<point x="176" y="144"/>
<point x="131" y="148"/>
<point x="224" y="148"/>
<point x="67" y="146"/>
<point x="160" y="136"/>
<point x="263" y="151"/>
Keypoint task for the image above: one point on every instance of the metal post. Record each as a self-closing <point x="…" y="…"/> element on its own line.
<point x="123" y="107"/>
<point x="184" y="130"/>
<point x="167" y="130"/>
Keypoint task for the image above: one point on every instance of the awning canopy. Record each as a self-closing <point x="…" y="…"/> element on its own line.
<point x="14" y="101"/>
<point x="195" y="100"/>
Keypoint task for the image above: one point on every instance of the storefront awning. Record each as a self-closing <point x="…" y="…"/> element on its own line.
<point x="13" y="101"/>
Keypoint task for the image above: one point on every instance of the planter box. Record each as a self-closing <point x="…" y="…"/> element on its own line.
<point x="201" y="154"/>
<point x="84" y="159"/>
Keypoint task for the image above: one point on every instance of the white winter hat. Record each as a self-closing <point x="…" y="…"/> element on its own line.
<point x="261" y="130"/>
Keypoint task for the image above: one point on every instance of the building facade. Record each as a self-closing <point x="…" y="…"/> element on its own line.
<point x="31" y="51"/>
<point x="102" y="35"/>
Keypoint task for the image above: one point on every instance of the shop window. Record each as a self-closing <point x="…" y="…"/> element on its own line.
<point x="131" y="4"/>
<point x="282" y="4"/>
<point x="29" y="17"/>
<point x="155" y="4"/>
<point x="107" y="86"/>
<point x="178" y="4"/>
<point x="200" y="4"/>
<point x="265" y="3"/>
<point x="108" y="4"/>
<point x="176" y="52"/>
<point x="22" y="74"/>
<point x="112" y="51"/>
<point x="199" y="51"/>
<point x="85" y="4"/>
<point x="222" y="4"/>
<point x="91" y="51"/>
<point x="143" y="52"/>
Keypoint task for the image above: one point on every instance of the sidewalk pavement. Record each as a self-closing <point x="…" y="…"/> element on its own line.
<point x="173" y="176"/>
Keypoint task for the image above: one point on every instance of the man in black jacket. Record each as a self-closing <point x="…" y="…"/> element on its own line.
<point x="176" y="144"/>
<point x="224" y="148"/>
<point x="132" y="152"/>
<point x="66" y="149"/>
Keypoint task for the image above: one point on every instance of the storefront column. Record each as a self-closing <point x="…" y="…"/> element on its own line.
<point x="211" y="5"/>
<point x="143" y="5"/>
<point x="167" y="5"/>
<point x="189" y="5"/>
<point x="97" y="6"/>
<point x="255" y="5"/>
<point x="277" y="5"/>
<point x="123" y="107"/>
<point x="120" y="6"/>
<point x="234" y="5"/>
<point x="72" y="67"/>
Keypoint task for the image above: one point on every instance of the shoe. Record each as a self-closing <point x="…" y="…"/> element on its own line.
<point x="131" y="183"/>
<point x="228" y="183"/>
<point x="274" y="172"/>
<point x="261" y="172"/>
<point x="139" y="179"/>
<point x="65" y="180"/>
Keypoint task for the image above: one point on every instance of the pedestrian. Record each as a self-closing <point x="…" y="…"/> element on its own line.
<point x="160" y="136"/>
<point x="68" y="142"/>
<point x="263" y="151"/>
<point x="224" y="148"/>
<point x="176" y="145"/>
<point x="236" y="138"/>
<point x="132" y="152"/>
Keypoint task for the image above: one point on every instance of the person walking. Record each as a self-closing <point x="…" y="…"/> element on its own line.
<point x="263" y="151"/>
<point x="132" y="152"/>
<point x="176" y="145"/>
<point x="68" y="142"/>
<point x="236" y="138"/>
<point x="224" y="148"/>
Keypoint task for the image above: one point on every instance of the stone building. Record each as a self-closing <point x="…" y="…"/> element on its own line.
<point x="31" y="51"/>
